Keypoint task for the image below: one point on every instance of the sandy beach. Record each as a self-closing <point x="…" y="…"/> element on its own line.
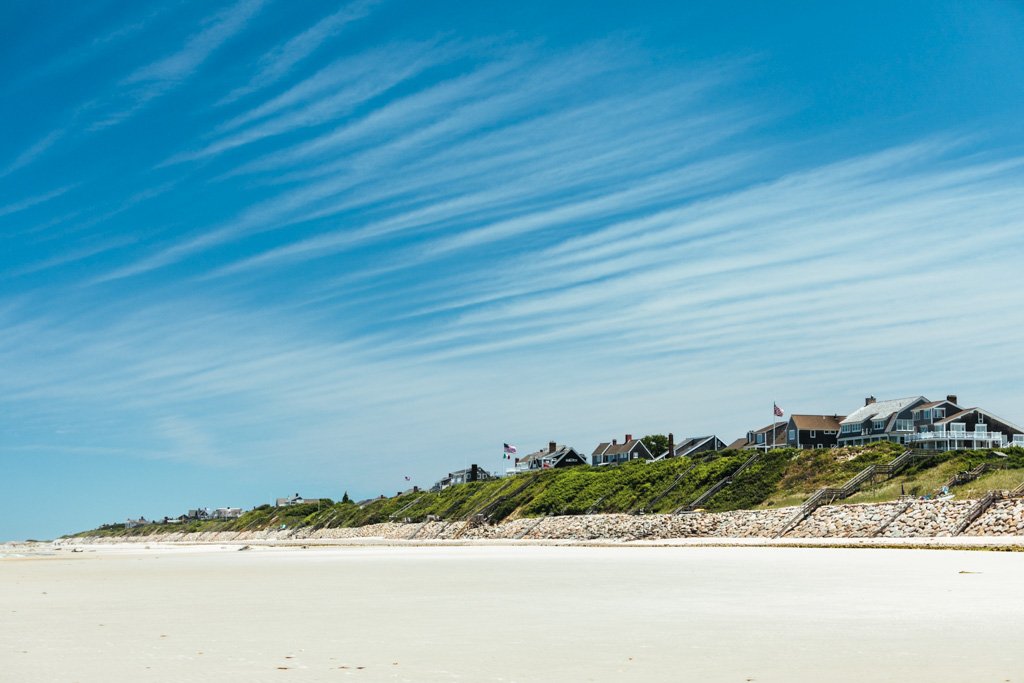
<point x="512" y="614"/>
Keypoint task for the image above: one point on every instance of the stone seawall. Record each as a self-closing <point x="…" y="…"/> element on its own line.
<point x="904" y="519"/>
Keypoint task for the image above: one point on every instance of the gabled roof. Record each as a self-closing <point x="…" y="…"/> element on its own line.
<point x="817" y="422"/>
<point x="618" y="448"/>
<point x="963" y="413"/>
<point x="555" y="455"/>
<point x="780" y="436"/>
<point x="690" y="444"/>
<point x="935" y="404"/>
<point x="881" y="410"/>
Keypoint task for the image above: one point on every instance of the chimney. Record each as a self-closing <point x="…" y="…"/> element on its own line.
<point x="671" y="445"/>
<point x="951" y="398"/>
<point x="629" y="437"/>
<point x="552" y="446"/>
<point x="869" y="400"/>
<point x="472" y="472"/>
<point x="615" y="442"/>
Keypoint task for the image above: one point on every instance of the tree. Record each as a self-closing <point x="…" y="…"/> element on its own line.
<point x="345" y="498"/>
<point x="656" y="443"/>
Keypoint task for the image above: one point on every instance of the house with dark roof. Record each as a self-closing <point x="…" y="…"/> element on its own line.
<point x="692" y="446"/>
<point x="553" y="457"/>
<point x="472" y="473"/>
<point x="813" y="431"/>
<point x="966" y="429"/>
<point x="765" y="438"/>
<point x="614" y="452"/>
<point x="889" y="420"/>
<point x="927" y="414"/>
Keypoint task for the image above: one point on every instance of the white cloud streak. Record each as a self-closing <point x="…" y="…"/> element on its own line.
<point x="278" y="62"/>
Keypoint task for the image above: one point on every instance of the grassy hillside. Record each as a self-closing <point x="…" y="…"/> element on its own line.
<point x="779" y="478"/>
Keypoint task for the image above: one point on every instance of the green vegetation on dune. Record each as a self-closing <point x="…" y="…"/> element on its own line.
<point x="778" y="478"/>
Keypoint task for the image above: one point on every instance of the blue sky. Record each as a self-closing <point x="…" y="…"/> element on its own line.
<point x="260" y="247"/>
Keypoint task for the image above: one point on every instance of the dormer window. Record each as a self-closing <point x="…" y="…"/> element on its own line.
<point x="878" y="424"/>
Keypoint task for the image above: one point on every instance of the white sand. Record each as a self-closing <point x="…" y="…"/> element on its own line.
<point x="513" y="614"/>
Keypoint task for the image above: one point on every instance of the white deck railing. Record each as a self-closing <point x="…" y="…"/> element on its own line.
<point x="949" y="435"/>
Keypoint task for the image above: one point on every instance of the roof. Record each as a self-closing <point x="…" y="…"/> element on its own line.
<point x="965" y="411"/>
<point x="616" y="448"/>
<point x="817" y="422"/>
<point x="935" y="404"/>
<point x="881" y="410"/>
<point x="780" y="436"/>
<point x="688" y="444"/>
<point x="768" y="428"/>
<point x="559" y="452"/>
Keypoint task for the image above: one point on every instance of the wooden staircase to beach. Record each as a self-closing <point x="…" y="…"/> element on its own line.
<point x="896" y="515"/>
<point x="977" y="510"/>
<point x="486" y="511"/>
<point x="718" y="486"/>
<point x="828" y="495"/>
<point x="641" y="509"/>
<point x="396" y="515"/>
<point x="530" y="528"/>
<point x="968" y="475"/>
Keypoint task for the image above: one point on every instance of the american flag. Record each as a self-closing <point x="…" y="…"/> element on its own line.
<point x="510" y="449"/>
<point x="778" y="410"/>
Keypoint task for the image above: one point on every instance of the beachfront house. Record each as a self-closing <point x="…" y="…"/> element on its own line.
<point x="472" y="473"/>
<point x="553" y="457"/>
<point x="294" y="500"/>
<point x="227" y="513"/>
<point x="613" y="453"/>
<point x="692" y="446"/>
<point x="890" y="420"/>
<point x="765" y="438"/>
<point x="813" y="431"/>
<point x="966" y="429"/>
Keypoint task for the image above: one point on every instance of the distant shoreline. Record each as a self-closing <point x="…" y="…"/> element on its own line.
<point x="916" y="524"/>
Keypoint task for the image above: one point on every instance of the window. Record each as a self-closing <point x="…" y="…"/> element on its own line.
<point x="813" y="434"/>
<point x="792" y="435"/>
<point x="926" y="414"/>
<point x="760" y="438"/>
<point x="958" y="427"/>
<point x="940" y="413"/>
<point x="904" y="425"/>
<point x="878" y="424"/>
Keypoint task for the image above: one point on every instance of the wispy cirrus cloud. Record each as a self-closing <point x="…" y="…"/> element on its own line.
<point x="29" y="202"/>
<point x="278" y="62"/>
<point x="153" y="80"/>
<point x="33" y="152"/>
